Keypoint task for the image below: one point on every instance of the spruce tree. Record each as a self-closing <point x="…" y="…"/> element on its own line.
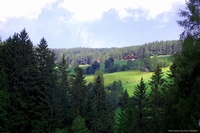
<point x="156" y="99"/>
<point x="191" y="20"/>
<point x="4" y="98"/>
<point x="142" y="107"/>
<point x="100" y="115"/>
<point x="185" y="71"/>
<point x="185" y="88"/>
<point x="19" y="65"/>
<point x="78" y="93"/>
<point x="63" y="93"/>
<point x="126" y="118"/>
<point x="78" y="125"/>
<point x="46" y="82"/>
<point x="88" y="109"/>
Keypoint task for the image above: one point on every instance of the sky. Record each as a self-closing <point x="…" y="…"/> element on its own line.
<point x="92" y="23"/>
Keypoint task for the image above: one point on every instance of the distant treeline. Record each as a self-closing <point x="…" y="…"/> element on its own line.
<point x="77" y="56"/>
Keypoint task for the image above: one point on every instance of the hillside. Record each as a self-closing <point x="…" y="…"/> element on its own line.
<point x="82" y="56"/>
<point x="129" y="78"/>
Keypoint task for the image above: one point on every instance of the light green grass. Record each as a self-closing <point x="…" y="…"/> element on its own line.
<point x="129" y="79"/>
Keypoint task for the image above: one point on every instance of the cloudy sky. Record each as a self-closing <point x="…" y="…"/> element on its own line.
<point x="92" y="23"/>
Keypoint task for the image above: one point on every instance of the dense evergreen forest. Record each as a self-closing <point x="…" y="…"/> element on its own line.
<point x="39" y="94"/>
<point x="82" y="56"/>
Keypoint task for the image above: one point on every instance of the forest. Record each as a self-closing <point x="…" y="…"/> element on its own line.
<point x="82" y="56"/>
<point x="44" y="90"/>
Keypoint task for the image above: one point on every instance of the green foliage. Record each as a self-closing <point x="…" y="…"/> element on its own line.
<point x="78" y="93"/>
<point x="157" y="99"/>
<point x="115" y="91"/>
<point x="4" y="98"/>
<point x="100" y="117"/>
<point x="141" y="100"/>
<point x="78" y="125"/>
<point x="4" y="102"/>
<point x="192" y="20"/>
<point x="47" y="97"/>
<point x="109" y="65"/>
<point x="93" y="68"/>
<point x="65" y="130"/>
<point x="126" y="117"/>
<point x="36" y="95"/>
<point x="79" y="56"/>
<point x="148" y="64"/>
<point x="128" y="78"/>
<point x="185" y="73"/>
<point x="63" y="94"/>
<point x="18" y="65"/>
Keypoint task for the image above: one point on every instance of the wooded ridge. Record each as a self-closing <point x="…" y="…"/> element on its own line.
<point x="77" y="56"/>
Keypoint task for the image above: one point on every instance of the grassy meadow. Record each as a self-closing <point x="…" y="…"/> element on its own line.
<point x="129" y="79"/>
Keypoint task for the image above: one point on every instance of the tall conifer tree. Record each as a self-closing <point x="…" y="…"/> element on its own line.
<point x="185" y="71"/>
<point x="156" y="99"/>
<point x="78" y="93"/>
<point x="101" y="121"/>
<point x="142" y="107"/>
<point x="126" y="120"/>
<point x="63" y="93"/>
<point x="47" y="88"/>
<point x="19" y="65"/>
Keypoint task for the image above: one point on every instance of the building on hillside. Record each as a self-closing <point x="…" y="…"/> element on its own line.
<point x="129" y="57"/>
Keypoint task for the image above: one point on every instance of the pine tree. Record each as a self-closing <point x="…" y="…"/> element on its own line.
<point x="4" y="98"/>
<point x="46" y="82"/>
<point x="78" y="93"/>
<point x="192" y="20"/>
<point x="156" y="99"/>
<point x="142" y="107"/>
<point x="101" y="121"/>
<point x="185" y="71"/>
<point x="185" y="74"/>
<point x="89" y="101"/>
<point x="78" y="125"/>
<point x="115" y="91"/>
<point x="19" y="65"/>
<point x="126" y="119"/>
<point x="63" y="94"/>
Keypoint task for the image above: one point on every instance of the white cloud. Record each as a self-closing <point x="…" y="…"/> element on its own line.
<point x="87" y="10"/>
<point x="91" y="10"/>
<point x="22" y="8"/>
<point x="81" y="34"/>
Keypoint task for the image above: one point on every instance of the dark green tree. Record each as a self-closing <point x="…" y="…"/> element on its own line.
<point x="63" y="94"/>
<point x="185" y="72"/>
<point x="141" y="100"/>
<point x="89" y="104"/>
<point x="78" y="93"/>
<point x="101" y="117"/>
<point x="126" y="118"/>
<point x="78" y="125"/>
<point x="115" y="92"/>
<point x="47" y="88"/>
<point x="93" y="68"/>
<point x="4" y="98"/>
<point x="109" y="65"/>
<point x="156" y="99"/>
<point x="192" y="20"/>
<point x="20" y="67"/>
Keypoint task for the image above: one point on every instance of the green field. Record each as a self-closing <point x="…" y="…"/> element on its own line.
<point x="129" y="78"/>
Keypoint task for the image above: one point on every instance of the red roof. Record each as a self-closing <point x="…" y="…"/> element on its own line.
<point x="129" y="57"/>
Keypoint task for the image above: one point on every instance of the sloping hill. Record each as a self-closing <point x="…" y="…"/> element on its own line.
<point x="129" y="78"/>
